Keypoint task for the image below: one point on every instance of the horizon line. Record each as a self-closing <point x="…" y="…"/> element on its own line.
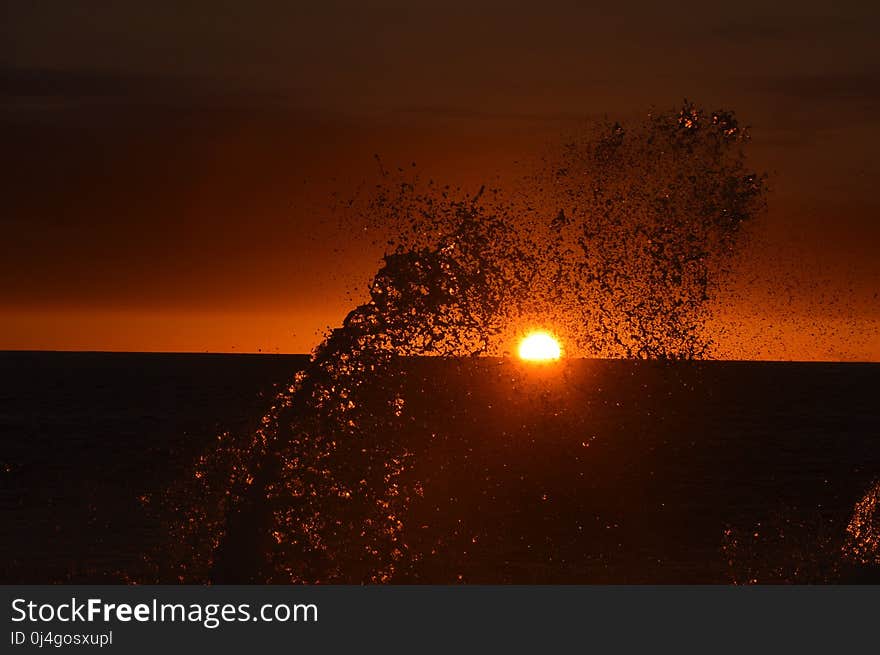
<point x="4" y="351"/>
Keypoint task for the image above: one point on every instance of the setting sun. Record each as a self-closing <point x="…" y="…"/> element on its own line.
<point x="540" y="347"/>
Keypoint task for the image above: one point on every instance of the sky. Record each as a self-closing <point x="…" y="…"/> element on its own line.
<point x="169" y="168"/>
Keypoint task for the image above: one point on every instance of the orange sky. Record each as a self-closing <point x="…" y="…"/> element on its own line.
<point x="178" y="197"/>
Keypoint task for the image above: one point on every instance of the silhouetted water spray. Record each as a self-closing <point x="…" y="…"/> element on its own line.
<point x="863" y="532"/>
<point x="619" y="244"/>
<point x="789" y="547"/>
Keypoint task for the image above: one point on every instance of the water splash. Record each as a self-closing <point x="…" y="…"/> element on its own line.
<point x="618" y="244"/>
<point x="863" y="532"/>
<point x="792" y="548"/>
<point x="649" y="217"/>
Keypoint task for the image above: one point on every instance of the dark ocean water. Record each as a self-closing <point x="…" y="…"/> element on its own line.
<point x="84" y="435"/>
<point x="587" y="471"/>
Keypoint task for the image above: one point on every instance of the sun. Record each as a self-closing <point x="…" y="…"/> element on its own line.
<point x="540" y="347"/>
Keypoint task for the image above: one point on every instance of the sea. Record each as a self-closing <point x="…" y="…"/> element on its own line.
<point x="583" y="471"/>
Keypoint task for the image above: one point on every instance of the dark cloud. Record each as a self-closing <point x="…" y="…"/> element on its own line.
<point x="790" y="27"/>
<point x="825" y="87"/>
<point x="60" y="83"/>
